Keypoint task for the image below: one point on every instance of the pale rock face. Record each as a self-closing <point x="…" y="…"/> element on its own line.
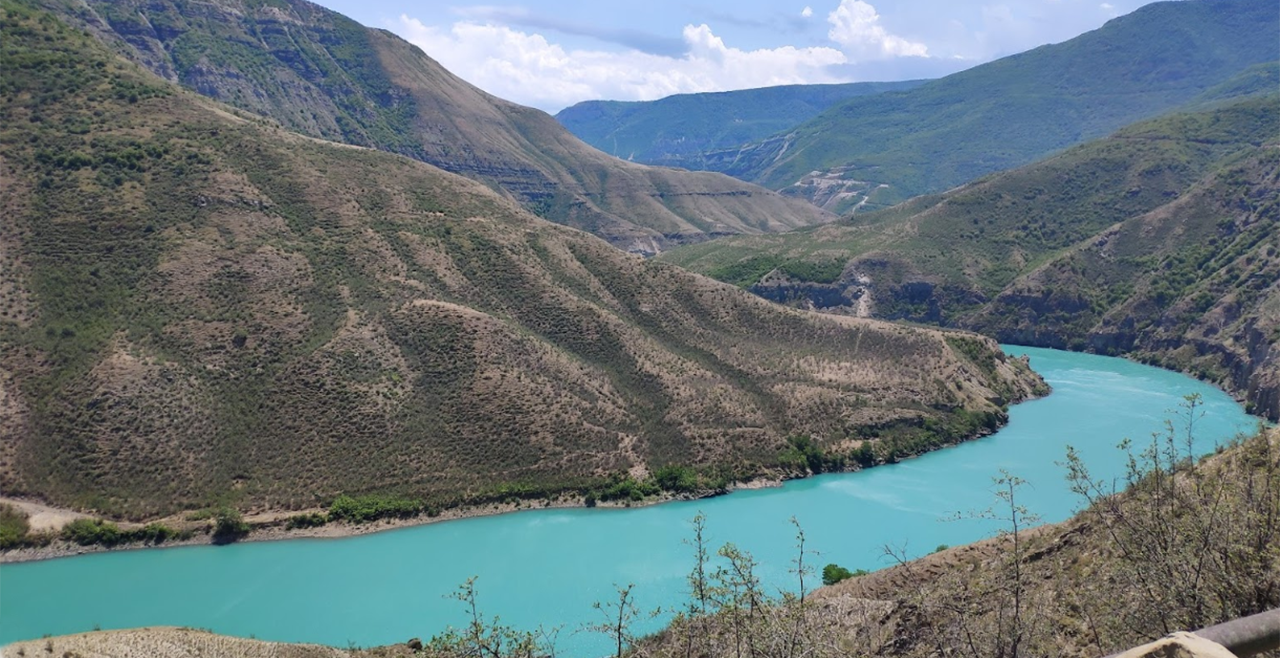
<point x="1179" y="645"/>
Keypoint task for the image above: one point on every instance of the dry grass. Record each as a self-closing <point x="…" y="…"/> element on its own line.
<point x="164" y="643"/>
<point x="15" y="301"/>
<point x="1187" y="551"/>
<point x="276" y="320"/>
<point x="334" y="79"/>
<point x="1159" y="242"/>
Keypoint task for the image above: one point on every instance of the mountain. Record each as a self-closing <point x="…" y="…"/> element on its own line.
<point x="677" y="130"/>
<point x="1161" y="241"/>
<point x="201" y="307"/>
<point x="1257" y="80"/>
<point x="321" y="74"/>
<point x="882" y="149"/>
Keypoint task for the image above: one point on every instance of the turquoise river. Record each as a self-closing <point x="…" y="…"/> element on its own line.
<point x="546" y="567"/>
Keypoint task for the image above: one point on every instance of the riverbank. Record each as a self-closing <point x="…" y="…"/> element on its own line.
<point x="274" y="525"/>
<point x="271" y="526"/>
<point x="903" y="610"/>
<point x="548" y="567"/>
<point x="844" y="456"/>
<point x="45" y="539"/>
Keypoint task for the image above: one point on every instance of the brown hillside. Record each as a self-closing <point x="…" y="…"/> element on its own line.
<point x="209" y="308"/>
<point x="1161" y="241"/>
<point x="321" y="74"/>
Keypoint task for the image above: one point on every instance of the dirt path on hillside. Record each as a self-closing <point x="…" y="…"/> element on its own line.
<point x="43" y="517"/>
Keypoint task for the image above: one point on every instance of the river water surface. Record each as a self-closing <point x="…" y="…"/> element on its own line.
<point x="546" y="567"/>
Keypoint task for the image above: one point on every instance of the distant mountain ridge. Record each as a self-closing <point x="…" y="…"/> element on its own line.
<point x="678" y="130"/>
<point x="882" y="149"/>
<point x="324" y="75"/>
<point x="1161" y="241"/>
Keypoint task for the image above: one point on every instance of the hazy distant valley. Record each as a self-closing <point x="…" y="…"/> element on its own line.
<point x="878" y="149"/>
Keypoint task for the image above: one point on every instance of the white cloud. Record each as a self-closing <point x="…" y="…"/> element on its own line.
<point x="855" y="25"/>
<point x="528" y="69"/>
<point x="807" y="11"/>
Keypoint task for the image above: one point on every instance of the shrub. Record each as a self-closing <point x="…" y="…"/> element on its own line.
<point x="363" y="509"/>
<point x="834" y="573"/>
<point x="154" y="533"/>
<point x="228" y="525"/>
<point x="313" y="520"/>
<point x="13" y="527"/>
<point x="625" y="487"/>
<point x="88" y="532"/>
<point x="100" y="532"/>
<point x="676" y="479"/>
<point x="803" y="454"/>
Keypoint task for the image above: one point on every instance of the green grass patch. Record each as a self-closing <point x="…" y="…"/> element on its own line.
<point x="363" y="509"/>
<point x="13" y="527"/>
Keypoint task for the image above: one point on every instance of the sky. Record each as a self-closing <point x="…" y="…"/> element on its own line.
<point x="551" y="54"/>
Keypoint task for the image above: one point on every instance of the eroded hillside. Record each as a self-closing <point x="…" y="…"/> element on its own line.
<point x="200" y="307"/>
<point x="1160" y="241"/>
<point x="322" y="74"/>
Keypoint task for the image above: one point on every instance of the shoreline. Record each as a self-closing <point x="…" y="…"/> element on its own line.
<point x="270" y="526"/>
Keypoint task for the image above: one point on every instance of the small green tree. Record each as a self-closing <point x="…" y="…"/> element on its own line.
<point x="702" y="590"/>
<point x="13" y="526"/>
<point x="228" y="525"/>
<point x="834" y="573"/>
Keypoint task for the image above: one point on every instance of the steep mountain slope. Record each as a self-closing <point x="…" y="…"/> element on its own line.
<point x="1014" y="110"/>
<point x="1161" y="241"/>
<point x="200" y="307"/>
<point x="1257" y="80"/>
<point x="321" y="74"/>
<point x="678" y="129"/>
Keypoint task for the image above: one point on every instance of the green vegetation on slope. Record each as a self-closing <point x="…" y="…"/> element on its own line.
<point x="203" y="310"/>
<point x="13" y="526"/>
<point x="321" y="74"/>
<point x="1017" y="109"/>
<point x="678" y="130"/>
<point x="1257" y="80"/>
<point x="1160" y="241"/>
